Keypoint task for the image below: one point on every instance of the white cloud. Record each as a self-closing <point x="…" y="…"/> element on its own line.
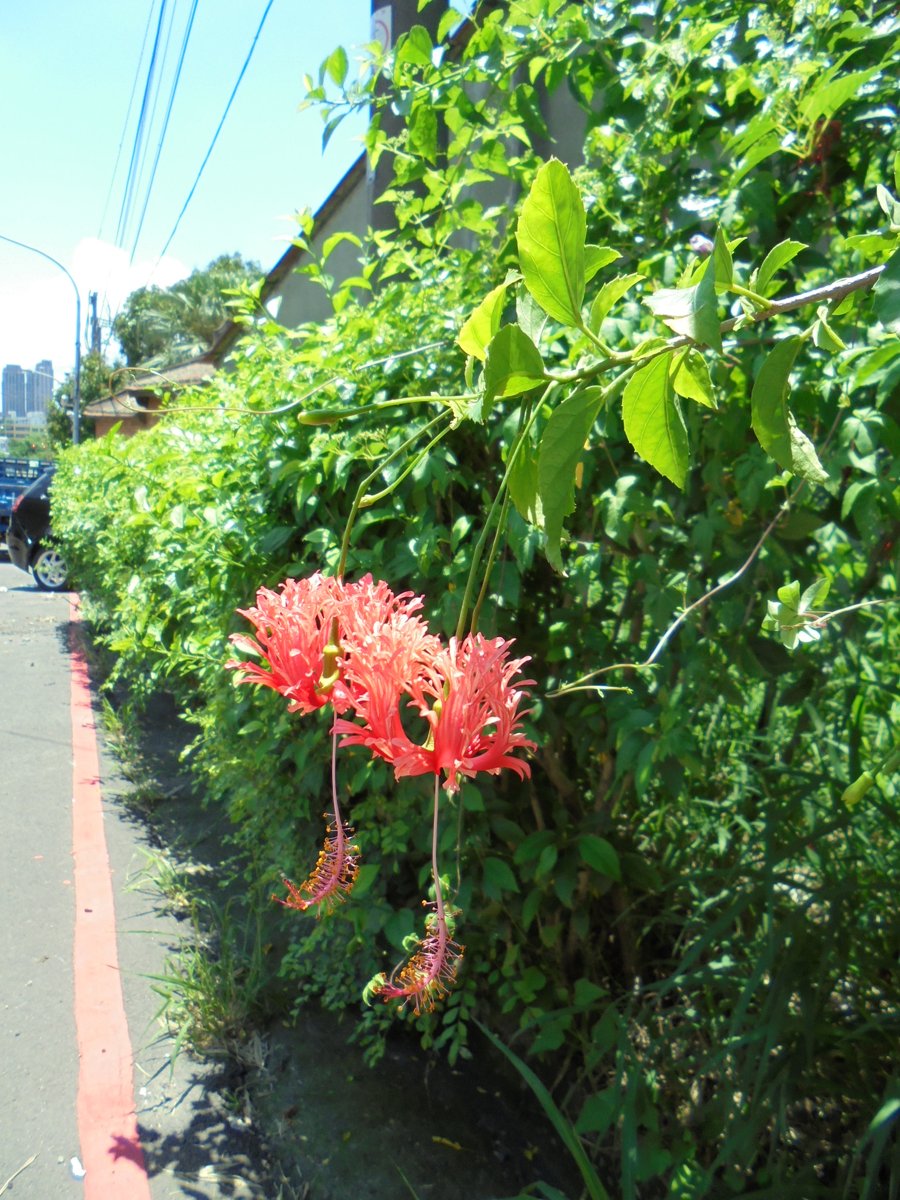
<point x="37" y="302"/>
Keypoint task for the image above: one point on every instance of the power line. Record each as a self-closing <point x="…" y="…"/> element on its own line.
<point x="131" y="179"/>
<point x="162" y="136"/>
<point x="134" y="85"/>
<point x="215" y="138"/>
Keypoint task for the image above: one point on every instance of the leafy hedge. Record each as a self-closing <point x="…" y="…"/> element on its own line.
<point x="683" y="918"/>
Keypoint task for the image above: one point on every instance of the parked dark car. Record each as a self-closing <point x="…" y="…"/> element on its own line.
<point x="16" y="474"/>
<point x="29" y="539"/>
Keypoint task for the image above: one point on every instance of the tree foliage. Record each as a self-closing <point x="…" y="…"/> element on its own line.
<point x="633" y="418"/>
<point x="161" y="326"/>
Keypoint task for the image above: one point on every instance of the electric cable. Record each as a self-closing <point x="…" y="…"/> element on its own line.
<point x="215" y="138"/>
<point x="128" y="197"/>
<point x="165" y="125"/>
<point x="134" y="84"/>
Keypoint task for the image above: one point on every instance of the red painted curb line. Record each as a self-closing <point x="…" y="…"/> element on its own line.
<point x="111" y="1150"/>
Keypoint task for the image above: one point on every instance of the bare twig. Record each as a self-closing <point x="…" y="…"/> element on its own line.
<point x="16" y="1174"/>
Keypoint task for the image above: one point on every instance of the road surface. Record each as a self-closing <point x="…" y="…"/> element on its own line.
<point x="90" y="1102"/>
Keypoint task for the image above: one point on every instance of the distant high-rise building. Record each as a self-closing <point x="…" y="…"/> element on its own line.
<point x="41" y="386"/>
<point x="14" y="391"/>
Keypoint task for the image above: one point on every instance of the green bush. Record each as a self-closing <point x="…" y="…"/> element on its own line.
<point x="678" y="917"/>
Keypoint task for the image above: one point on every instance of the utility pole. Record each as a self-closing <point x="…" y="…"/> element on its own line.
<point x="95" y="324"/>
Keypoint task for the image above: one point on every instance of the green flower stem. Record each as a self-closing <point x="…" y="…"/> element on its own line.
<point x="331" y="416"/>
<point x="363" y="487"/>
<point x="368" y="500"/>
<point x="527" y="422"/>
<point x="489" y="565"/>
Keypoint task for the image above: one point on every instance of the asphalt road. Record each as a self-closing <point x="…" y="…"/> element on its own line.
<point x="54" y="1095"/>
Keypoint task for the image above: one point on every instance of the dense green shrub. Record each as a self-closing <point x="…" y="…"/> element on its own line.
<point x="678" y="917"/>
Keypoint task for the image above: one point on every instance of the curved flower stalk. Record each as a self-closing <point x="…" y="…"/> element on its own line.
<point x="430" y="972"/>
<point x="337" y="867"/>
<point x="465" y="693"/>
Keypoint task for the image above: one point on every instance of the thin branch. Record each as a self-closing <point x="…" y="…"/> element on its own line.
<point x="583" y="683"/>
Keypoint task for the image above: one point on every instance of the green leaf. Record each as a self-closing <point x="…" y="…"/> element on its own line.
<point x="804" y="460"/>
<point x="653" y="421"/>
<point x="596" y="258"/>
<point x="599" y="1111"/>
<point x="723" y="264"/>
<point x="498" y="878"/>
<point x="592" y="1183"/>
<point x="887" y="294"/>
<point x="768" y="402"/>
<point x="600" y="855"/>
<point x="691" y="379"/>
<point x="691" y="311"/>
<point x="422" y="128"/>
<point x="562" y="445"/>
<point x="513" y="364"/>
<point x="779" y="256"/>
<point x="815" y="595"/>
<point x="826" y="98"/>
<point x="550" y="238"/>
<point x="768" y="144"/>
<point x="530" y="317"/>
<point x="608" y="296"/>
<point x="477" y="332"/>
<point x="336" y="65"/>
<point x="415" y="47"/>
<point x="523" y="487"/>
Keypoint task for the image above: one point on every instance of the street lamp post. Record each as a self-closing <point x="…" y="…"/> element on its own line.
<point x="76" y="403"/>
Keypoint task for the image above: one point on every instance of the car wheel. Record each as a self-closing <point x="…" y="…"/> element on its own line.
<point x="49" y="569"/>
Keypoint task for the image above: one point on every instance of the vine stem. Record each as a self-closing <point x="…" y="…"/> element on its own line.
<point x="583" y="683"/>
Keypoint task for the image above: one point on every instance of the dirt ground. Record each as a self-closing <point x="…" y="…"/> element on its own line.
<point x="317" y="1122"/>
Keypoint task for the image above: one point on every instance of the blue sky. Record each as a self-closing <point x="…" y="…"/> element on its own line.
<point x="67" y="71"/>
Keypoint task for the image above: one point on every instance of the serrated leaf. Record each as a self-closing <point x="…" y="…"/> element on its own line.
<point x="691" y="379"/>
<point x="608" y="296"/>
<point x="779" y="256"/>
<point x="561" y="448"/>
<point x="600" y="855"/>
<point x="804" y="460"/>
<point x="887" y="294"/>
<point x="550" y="238"/>
<point x="477" y="332"/>
<point x="513" y="364"/>
<point x="768" y="402"/>
<point x="596" y="258"/>
<point x="653" y="421"/>
<point x="691" y="311"/>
